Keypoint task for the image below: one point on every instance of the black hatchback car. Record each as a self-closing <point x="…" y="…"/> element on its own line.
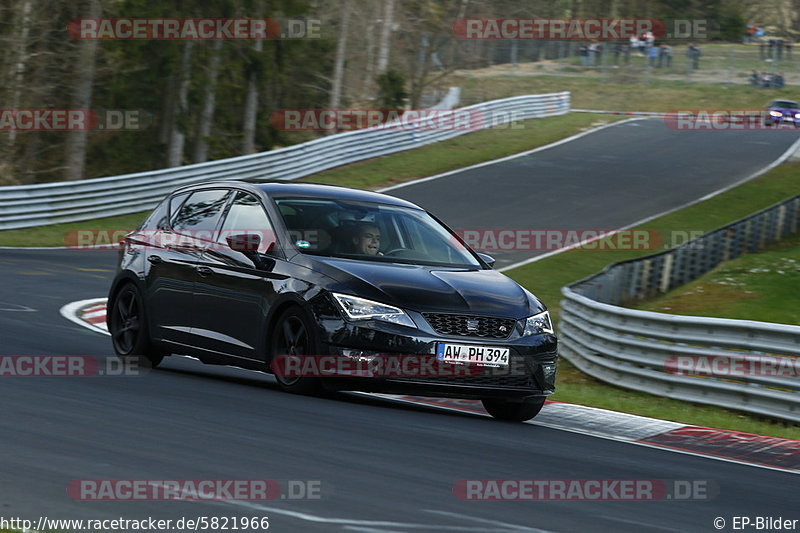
<point x="329" y="288"/>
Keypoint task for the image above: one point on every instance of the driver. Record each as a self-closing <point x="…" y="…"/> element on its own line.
<point x="367" y="239"/>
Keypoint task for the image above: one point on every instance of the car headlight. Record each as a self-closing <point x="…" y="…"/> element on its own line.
<point x="362" y="309"/>
<point x="797" y="115"/>
<point x="776" y="113"/>
<point x="538" y="324"/>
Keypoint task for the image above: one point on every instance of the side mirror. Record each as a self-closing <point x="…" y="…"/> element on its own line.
<point x="486" y="258"/>
<point x="248" y="244"/>
<point x="244" y="242"/>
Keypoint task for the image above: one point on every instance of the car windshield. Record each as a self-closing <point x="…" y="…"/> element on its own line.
<point x="786" y="104"/>
<point x="371" y="232"/>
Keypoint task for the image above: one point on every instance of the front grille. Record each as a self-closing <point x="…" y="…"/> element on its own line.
<point x="471" y="325"/>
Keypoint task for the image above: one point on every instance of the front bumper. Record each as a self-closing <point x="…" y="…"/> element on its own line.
<point x="531" y="371"/>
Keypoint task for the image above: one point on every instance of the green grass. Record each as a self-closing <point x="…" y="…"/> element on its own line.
<point x="58" y="234"/>
<point x="618" y="94"/>
<point x="460" y="152"/>
<point x="546" y="277"/>
<point x="761" y="286"/>
<point x="375" y="173"/>
<point x="717" y="57"/>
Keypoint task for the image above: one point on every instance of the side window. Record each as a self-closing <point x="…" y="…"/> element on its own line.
<point x="176" y="202"/>
<point x="158" y="219"/>
<point x="246" y="215"/>
<point x="200" y="213"/>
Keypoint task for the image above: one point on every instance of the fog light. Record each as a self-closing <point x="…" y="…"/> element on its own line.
<point x="359" y="356"/>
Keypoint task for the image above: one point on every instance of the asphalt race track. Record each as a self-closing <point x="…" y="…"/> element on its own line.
<point x="602" y="181"/>
<point x="381" y="467"/>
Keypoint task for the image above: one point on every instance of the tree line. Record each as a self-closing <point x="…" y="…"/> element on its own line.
<point x="199" y="100"/>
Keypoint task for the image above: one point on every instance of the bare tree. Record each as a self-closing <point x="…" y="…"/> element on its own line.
<point x="341" y="51"/>
<point x="386" y="36"/>
<point x="177" y="137"/>
<point x="206" y="119"/>
<point x="17" y="71"/>
<point x="82" y="99"/>
<point x="251" y="104"/>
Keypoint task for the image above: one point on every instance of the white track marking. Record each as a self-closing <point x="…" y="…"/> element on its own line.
<point x="380" y="525"/>
<point x="71" y="312"/>
<point x="788" y="153"/>
<point x="16" y="308"/>
<point x="506" y="158"/>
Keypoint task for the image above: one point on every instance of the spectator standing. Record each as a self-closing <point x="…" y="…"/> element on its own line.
<point x="650" y="38"/>
<point x="634" y="42"/>
<point x="583" y="51"/>
<point x="788" y="49"/>
<point x="750" y="33"/>
<point x="693" y="53"/>
<point x="762" y="50"/>
<point x="779" y="49"/>
<point x="665" y="56"/>
<point x="592" y="53"/>
<point x="652" y="55"/>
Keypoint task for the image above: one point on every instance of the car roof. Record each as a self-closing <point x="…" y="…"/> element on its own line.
<point x="308" y="190"/>
<point x="781" y="101"/>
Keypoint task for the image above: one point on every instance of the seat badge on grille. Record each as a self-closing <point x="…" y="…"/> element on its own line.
<point x="503" y="329"/>
<point x="472" y="324"/>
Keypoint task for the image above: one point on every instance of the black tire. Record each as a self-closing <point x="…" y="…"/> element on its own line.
<point x="513" y="411"/>
<point x="293" y="336"/>
<point x="128" y="327"/>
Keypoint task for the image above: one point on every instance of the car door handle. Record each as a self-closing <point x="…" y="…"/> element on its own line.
<point x="155" y="259"/>
<point x="204" y="271"/>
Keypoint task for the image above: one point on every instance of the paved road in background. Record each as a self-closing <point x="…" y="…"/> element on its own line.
<point x="606" y="180"/>
<point x="381" y="467"/>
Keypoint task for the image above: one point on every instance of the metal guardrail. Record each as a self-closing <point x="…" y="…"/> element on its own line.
<point x="751" y="366"/>
<point x="49" y="203"/>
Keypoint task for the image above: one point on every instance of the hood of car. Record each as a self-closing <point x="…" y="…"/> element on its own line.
<point x="432" y="289"/>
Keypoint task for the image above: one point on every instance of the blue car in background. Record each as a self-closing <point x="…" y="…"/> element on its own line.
<point x="782" y="112"/>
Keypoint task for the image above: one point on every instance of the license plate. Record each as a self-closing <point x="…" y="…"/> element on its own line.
<point x="470" y="353"/>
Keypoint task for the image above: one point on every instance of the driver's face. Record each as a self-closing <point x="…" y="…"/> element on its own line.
<point x="368" y="241"/>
